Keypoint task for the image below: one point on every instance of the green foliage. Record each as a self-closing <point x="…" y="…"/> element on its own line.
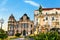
<point x="47" y="36"/>
<point x="17" y="34"/>
<point x="3" y="35"/>
<point x="1" y="31"/>
<point x="40" y="9"/>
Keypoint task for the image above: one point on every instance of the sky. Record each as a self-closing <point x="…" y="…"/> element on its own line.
<point x="20" y="7"/>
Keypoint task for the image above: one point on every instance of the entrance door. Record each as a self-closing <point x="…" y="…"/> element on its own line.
<point x="24" y="33"/>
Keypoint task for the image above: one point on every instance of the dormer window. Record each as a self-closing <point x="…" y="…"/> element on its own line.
<point x="24" y="18"/>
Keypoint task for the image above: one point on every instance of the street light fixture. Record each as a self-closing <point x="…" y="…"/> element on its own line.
<point x="1" y="21"/>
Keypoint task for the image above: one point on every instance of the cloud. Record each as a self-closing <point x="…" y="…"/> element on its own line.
<point x="32" y="3"/>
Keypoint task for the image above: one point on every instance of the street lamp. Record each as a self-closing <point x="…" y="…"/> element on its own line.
<point x="1" y="21"/>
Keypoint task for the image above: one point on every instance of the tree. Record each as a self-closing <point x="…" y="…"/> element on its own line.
<point x="17" y="34"/>
<point x="3" y="35"/>
<point x="40" y="9"/>
<point x="1" y="31"/>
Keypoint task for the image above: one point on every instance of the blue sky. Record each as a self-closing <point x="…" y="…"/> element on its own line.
<point x="19" y="7"/>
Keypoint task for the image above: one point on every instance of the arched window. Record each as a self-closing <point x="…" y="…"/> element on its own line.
<point x="24" y="32"/>
<point x="31" y="31"/>
<point x="31" y="25"/>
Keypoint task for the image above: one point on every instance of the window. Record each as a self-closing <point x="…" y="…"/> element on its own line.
<point x="52" y="18"/>
<point x="11" y="32"/>
<point x="31" y="31"/>
<point x="25" y="25"/>
<point x="31" y="25"/>
<point x="27" y="32"/>
<point x="24" y="18"/>
<point x="56" y="12"/>
<point x="11" y="27"/>
<point x="46" y="18"/>
<point x="17" y="26"/>
<point x="46" y="13"/>
<point x="57" y="23"/>
<point x="43" y="19"/>
<point x="36" y="21"/>
<point x="17" y="31"/>
<point x="45" y="25"/>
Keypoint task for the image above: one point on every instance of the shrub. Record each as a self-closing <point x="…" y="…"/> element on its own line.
<point x="47" y="36"/>
<point x="3" y="36"/>
<point x="17" y="34"/>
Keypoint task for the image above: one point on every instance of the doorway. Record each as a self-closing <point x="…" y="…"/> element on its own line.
<point x="24" y="33"/>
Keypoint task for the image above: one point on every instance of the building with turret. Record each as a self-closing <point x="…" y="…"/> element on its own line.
<point x="24" y="26"/>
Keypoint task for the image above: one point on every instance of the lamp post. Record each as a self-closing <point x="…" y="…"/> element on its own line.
<point x="1" y="21"/>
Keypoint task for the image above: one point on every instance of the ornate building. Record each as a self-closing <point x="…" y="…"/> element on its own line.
<point x="50" y="18"/>
<point x="24" y="26"/>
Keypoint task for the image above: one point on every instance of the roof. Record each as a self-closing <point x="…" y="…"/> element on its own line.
<point x="11" y="17"/>
<point x="49" y="9"/>
<point x="25" y="15"/>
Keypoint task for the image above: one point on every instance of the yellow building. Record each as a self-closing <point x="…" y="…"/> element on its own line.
<point x="50" y="18"/>
<point x="24" y="26"/>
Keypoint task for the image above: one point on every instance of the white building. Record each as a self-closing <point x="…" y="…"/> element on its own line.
<point x="50" y="18"/>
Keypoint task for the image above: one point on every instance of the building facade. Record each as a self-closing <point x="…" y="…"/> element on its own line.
<point x="50" y="18"/>
<point x="24" y="26"/>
